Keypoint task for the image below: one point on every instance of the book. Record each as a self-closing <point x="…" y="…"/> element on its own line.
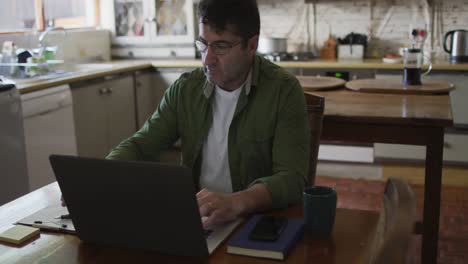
<point x="241" y="245"/>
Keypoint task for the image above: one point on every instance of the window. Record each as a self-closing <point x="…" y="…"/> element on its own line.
<point x="26" y="15"/>
<point x="17" y="15"/>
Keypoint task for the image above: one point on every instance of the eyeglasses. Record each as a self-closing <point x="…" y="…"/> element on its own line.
<point x="218" y="47"/>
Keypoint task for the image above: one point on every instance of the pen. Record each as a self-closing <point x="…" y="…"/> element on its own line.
<point x="46" y="227"/>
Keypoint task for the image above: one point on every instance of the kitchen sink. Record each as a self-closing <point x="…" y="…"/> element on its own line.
<point x="63" y="71"/>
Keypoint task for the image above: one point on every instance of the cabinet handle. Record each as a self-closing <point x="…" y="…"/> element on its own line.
<point x="105" y="91"/>
<point x="138" y="84"/>
<point x="447" y="145"/>
<point x="150" y="19"/>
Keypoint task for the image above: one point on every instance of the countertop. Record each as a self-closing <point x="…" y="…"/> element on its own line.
<point x="324" y="64"/>
<point x="112" y="67"/>
<point x="122" y="66"/>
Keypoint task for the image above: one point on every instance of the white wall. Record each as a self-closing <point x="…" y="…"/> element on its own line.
<point x="386" y="22"/>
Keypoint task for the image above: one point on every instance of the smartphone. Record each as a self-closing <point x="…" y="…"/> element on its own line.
<point x="268" y="228"/>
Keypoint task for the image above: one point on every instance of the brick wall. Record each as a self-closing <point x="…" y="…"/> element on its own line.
<point x="386" y="22"/>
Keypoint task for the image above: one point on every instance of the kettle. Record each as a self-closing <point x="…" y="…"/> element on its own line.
<point x="458" y="45"/>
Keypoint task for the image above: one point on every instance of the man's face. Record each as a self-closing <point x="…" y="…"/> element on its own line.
<point x="228" y="70"/>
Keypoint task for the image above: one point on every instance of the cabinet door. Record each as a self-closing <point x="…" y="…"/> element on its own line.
<point x="90" y="113"/>
<point x="174" y="21"/>
<point x="148" y="95"/>
<point x="132" y="22"/>
<point x="149" y="21"/>
<point x="121" y="115"/>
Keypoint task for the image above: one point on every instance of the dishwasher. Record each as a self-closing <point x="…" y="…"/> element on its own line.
<point x="13" y="172"/>
<point x="49" y="129"/>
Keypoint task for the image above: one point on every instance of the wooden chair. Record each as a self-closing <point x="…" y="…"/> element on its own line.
<point x="315" y="108"/>
<point x="392" y="239"/>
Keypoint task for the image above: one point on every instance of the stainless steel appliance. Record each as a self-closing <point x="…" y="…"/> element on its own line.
<point x="13" y="169"/>
<point x="458" y="45"/>
<point x="272" y="45"/>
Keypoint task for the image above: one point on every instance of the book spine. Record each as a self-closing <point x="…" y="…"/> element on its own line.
<point x="297" y="237"/>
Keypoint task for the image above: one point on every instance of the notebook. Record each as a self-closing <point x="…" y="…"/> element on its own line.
<point x="240" y="243"/>
<point x="142" y="205"/>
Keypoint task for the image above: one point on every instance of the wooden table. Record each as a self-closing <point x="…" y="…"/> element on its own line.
<point x="402" y="119"/>
<point x="352" y="231"/>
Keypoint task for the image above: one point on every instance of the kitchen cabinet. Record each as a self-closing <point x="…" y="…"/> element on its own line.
<point x="164" y="78"/>
<point x="150" y="21"/>
<point x="148" y="94"/>
<point x="150" y="86"/>
<point x="104" y="113"/>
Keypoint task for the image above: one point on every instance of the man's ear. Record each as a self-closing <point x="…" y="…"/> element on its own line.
<point x="252" y="45"/>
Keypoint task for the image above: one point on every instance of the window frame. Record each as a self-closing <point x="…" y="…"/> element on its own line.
<point x="40" y="20"/>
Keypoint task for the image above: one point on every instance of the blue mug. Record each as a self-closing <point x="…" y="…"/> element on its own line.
<point x="319" y="211"/>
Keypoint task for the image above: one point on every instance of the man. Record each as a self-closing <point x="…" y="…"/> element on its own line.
<point x="242" y="120"/>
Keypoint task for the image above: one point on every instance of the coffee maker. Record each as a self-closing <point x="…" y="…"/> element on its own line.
<point x="413" y="60"/>
<point x="458" y="45"/>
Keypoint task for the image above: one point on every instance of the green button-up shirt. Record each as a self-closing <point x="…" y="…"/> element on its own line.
<point x="268" y="139"/>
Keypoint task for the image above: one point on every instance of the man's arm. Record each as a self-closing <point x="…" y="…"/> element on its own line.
<point x="290" y="149"/>
<point x="158" y="133"/>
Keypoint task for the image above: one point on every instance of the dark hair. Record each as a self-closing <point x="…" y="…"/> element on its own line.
<point x="241" y="16"/>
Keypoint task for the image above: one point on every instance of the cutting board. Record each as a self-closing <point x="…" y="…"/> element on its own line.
<point x="394" y="86"/>
<point x="314" y="83"/>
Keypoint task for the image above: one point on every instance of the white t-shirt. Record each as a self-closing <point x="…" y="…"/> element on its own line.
<point x="215" y="174"/>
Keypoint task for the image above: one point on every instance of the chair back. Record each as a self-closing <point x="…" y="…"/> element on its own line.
<point x="392" y="239"/>
<point x="315" y="109"/>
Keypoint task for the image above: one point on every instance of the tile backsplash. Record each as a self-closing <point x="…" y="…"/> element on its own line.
<point x="387" y="23"/>
<point x="74" y="46"/>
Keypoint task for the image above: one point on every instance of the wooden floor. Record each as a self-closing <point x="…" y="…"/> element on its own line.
<point x="366" y="193"/>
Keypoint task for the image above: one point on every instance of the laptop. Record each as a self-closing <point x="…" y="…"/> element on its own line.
<point x="142" y="205"/>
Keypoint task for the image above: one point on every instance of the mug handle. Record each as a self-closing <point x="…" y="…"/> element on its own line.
<point x="429" y="68"/>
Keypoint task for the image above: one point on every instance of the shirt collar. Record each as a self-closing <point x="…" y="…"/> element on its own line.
<point x="252" y="79"/>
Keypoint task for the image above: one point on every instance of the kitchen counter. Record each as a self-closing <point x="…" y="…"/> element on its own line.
<point x="111" y="67"/>
<point x="122" y="66"/>
<point x="323" y="64"/>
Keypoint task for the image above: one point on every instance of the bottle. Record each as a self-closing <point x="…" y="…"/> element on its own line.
<point x="328" y="51"/>
<point x="9" y="56"/>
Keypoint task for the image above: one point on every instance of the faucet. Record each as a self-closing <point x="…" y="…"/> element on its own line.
<point x="44" y="34"/>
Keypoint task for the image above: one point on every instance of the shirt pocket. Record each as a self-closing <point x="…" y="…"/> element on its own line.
<point x="256" y="156"/>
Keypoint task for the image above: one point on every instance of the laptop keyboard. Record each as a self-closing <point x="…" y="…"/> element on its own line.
<point x="207" y="232"/>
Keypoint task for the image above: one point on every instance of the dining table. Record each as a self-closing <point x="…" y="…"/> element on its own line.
<point x="364" y="117"/>
<point x="349" y="242"/>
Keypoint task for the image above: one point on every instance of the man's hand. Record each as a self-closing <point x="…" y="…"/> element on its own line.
<point x="219" y="207"/>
